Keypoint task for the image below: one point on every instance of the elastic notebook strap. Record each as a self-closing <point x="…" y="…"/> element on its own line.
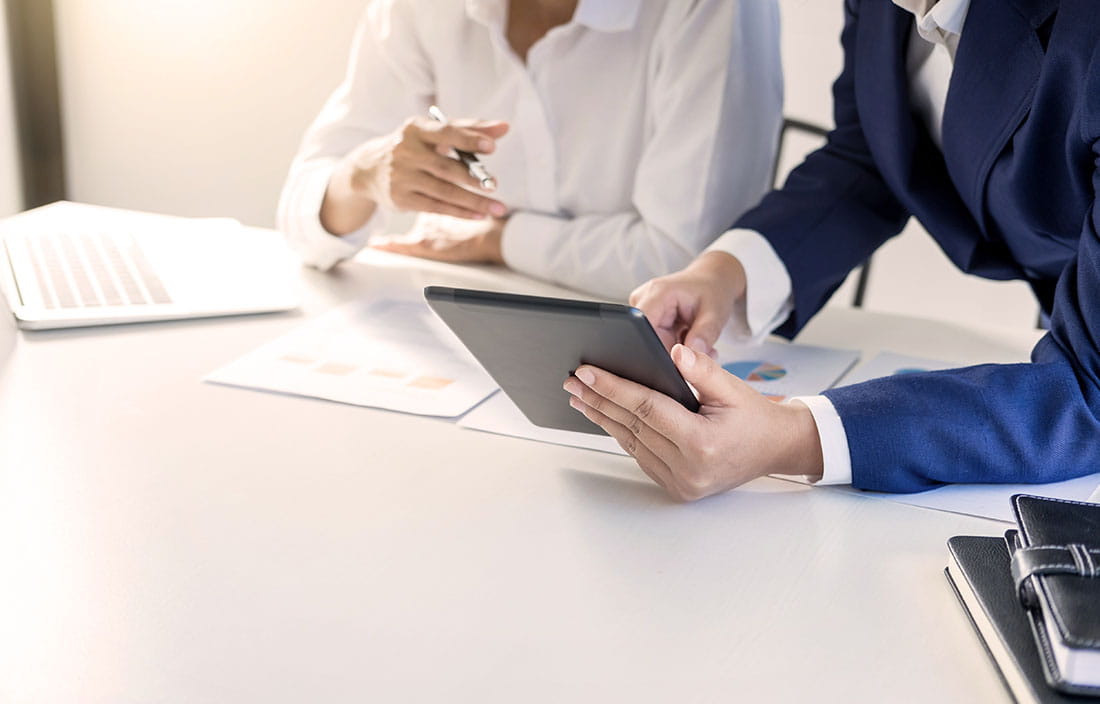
<point x="1073" y="559"/>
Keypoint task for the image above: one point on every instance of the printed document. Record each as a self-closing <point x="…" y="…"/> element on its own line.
<point x="385" y="353"/>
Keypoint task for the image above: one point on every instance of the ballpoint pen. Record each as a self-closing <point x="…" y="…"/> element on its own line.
<point x="473" y="165"/>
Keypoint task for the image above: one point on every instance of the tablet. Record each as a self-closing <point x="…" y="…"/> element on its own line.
<point x="531" y="344"/>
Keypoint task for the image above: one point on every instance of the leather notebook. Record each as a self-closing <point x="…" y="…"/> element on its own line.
<point x="979" y="574"/>
<point x="1056" y="576"/>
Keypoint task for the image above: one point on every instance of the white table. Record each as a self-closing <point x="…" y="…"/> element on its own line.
<point x="165" y="540"/>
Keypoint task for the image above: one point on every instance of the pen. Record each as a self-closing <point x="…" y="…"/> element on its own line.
<point x="475" y="167"/>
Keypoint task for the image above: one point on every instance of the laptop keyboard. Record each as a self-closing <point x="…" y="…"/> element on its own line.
<point x="91" y="269"/>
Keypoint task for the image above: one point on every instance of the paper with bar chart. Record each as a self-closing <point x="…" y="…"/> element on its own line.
<point x="385" y="353"/>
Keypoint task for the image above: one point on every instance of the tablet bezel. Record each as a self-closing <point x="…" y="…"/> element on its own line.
<point x="556" y="334"/>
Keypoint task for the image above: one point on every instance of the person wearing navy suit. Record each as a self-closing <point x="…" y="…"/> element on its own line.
<point x="981" y="118"/>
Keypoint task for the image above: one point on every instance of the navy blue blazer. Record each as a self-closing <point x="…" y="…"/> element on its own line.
<point x="1012" y="195"/>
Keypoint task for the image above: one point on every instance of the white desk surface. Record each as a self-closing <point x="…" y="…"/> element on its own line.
<point x="165" y="540"/>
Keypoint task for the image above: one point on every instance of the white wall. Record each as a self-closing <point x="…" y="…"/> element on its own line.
<point x="11" y="187"/>
<point x="811" y="56"/>
<point x="194" y="107"/>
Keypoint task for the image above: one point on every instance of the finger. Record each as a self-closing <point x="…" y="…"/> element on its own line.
<point x="669" y="309"/>
<point x="452" y="136"/>
<point x="397" y="246"/>
<point x="654" y="467"/>
<point x="494" y="129"/>
<point x="659" y="444"/>
<point x="429" y="185"/>
<point x="427" y="204"/>
<point x="447" y="169"/>
<point x="706" y="328"/>
<point x="659" y="412"/>
<point x="425" y="249"/>
<point x="715" y="386"/>
<point x="652" y="299"/>
<point x="668" y="338"/>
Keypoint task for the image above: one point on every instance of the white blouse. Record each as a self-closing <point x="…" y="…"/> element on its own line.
<point x="639" y="130"/>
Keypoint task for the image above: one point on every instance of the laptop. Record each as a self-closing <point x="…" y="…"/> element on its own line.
<point x="71" y="265"/>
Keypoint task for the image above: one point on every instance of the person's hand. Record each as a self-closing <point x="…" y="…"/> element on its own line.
<point x="449" y="239"/>
<point x="692" y="305"/>
<point x="413" y="170"/>
<point x="736" y="436"/>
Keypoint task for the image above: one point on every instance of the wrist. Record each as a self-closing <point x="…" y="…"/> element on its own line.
<point x="493" y="244"/>
<point x="344" y="209"/>
<point x="360" y="169"/>
<point x="802" y="453"/>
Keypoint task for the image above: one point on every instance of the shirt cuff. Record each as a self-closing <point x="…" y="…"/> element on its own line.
<point x="300" y="221"/>
<point x="767" y="301"/>
<point x="836" y="459"/>
<point x="525" y="239"/>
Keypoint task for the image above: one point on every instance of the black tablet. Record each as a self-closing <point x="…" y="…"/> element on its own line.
<point x="531" y="344"/>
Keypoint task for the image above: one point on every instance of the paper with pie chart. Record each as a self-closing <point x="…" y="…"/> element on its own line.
<point x="892" y="364"/>
<point x="781" y="370"/>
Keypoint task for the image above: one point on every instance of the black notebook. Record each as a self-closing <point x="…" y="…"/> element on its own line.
<point x="979" y="573"/>
<point x="1059" y="545"/>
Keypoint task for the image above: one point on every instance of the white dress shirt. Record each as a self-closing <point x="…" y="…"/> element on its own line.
<point x="937" y="27"/>
<point x="636" y="129"/>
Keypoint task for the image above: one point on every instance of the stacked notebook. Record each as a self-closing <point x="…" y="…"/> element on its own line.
<point x="1034" y="598"/>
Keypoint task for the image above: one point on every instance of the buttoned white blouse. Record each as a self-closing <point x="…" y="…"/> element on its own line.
<point x="639" y="130"/>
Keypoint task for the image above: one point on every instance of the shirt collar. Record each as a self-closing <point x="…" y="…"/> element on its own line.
<point x="600" y="15"/>
<point x="937" y="18"/>
<point x="607" y="15"/>
<point x="487" y="12"/>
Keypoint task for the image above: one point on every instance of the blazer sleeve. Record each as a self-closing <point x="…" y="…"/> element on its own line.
<point x="835" y="209"/>
<point x="1027" y="423"/>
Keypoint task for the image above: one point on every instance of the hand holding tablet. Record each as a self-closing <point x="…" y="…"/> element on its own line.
<point x="628" y="387"/>
<point x="531" y="345"/>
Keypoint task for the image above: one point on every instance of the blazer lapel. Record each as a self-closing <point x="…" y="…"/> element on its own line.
<point x="992" y="85"/>
<point x="882" y="91"/>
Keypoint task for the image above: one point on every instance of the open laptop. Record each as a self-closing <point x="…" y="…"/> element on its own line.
<point x="71" y="265"/>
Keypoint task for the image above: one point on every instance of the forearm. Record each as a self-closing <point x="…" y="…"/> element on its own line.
<point x="347" y="205"/>
<point x="606" y="255"/>
<point x="1018" y="423"/>
<point x="299" y="217"/>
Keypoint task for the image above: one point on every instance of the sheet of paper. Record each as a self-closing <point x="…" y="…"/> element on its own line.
<point x="500" y="416"/>
<point x="994" y="500"/>
<point x="778" y="370"/>
<point x="389" y="354"/>
<point x="891" y="364"/>
<point x="982" y="500"/>
<point x="782" y="370"/>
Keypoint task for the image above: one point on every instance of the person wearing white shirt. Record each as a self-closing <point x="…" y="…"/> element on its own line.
<point x="619" y="134"/>
<point x="981" y="119"/>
